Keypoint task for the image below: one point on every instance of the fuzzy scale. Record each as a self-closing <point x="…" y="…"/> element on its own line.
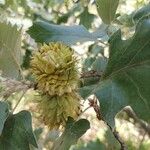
<point x="56" y="75"/>
<point x="54" y="69"/>
<point x="54" y="110"/>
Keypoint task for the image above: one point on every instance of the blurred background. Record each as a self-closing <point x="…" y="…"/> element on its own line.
<point x="23" y="13"/>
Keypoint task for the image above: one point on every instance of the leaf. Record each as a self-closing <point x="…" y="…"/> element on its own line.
<point x="74" y="130"/>
<point x="17" y="133"/>
<point x="86" y="18"/>
<point x="141" y="13"/>
<point x="10" y="50"/>
<point x="4" y="112"/>
<point x="107" y="9"/>
<point x="99" y="64"/>
<point x="44" y="32"/>
<point x="92" y="145"/>
<point x="126" y="78"/>
<point x="86" y="91"/>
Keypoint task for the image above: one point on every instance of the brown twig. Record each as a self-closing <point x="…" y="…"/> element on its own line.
<point x="91" y="73"/>
<point x="93" y="103"/>
<point x="131" y="114"/>
<point x="117" y="137"/>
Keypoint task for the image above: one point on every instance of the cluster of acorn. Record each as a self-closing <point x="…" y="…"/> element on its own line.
<point x="55" y="70"/>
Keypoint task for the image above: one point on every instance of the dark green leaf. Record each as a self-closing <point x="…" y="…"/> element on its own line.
<point x="99" y="64"/>
<point x="44" y="32"/>
<point x="95" y="49"/>
<point x="86" y="18"/>
<point x="93" y="145"/>
<point x="17" y="133"/>
<point x="107" y="9"/>
<point x="142" y="12"/>
<point x="4" y="112"/>
<point x="74" y="130"/>
<point x="86" y="91"/>
<point x="10" y="50"/>
<point x="26" y="59"/>
<point x="126" y="78"/>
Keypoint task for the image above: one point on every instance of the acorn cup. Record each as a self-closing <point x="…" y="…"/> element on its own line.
<point x="56" y="75"/>
<point x="54" y="110"/>
<point x="54" y="69"/>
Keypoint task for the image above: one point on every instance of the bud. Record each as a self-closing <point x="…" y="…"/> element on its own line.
<point x="54" y="110"/>
<point x="54" y="68"/>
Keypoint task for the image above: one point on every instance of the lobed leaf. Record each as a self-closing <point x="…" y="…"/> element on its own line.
<point x="126" y="78"/>
<point x="10" y="50"/>
<point x="17" y="133"/>
<point x="74" y="130"/>
<point x="44" y="32"/>
<point x="107" y="10"/>
<point x="4" y="112"/>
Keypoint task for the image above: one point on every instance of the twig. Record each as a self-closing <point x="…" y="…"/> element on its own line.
<point x="132" y="115"/>
<point x="142" y="139"/>
<point x="84" y="110"/>
<point x="91" y="73"/>
<point x="117" y="137"/>
<point x="93" y="103"/>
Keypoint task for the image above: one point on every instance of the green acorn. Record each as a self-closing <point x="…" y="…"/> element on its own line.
<point x="54" y="110"/>
<point x="54" y="68"/>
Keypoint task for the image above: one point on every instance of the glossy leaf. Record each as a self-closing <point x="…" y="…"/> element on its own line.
<point x="74" y="130"/>
<point x="4" y="112"/>
<point x="17" y="133"/>
<point x="44" y="32"/>
<point x="107" y="10"/>
<point x="10" y="50"/>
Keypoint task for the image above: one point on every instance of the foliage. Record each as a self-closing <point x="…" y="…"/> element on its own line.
<point x="114" y="71"/>
<point x="10" y="49"/>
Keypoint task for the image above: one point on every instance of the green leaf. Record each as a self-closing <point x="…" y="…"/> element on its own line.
<point x="86" y="18"/>
<point x="44" y="32"/>
<point x="107" y="9"/>
<point x="99" y="64"/>
<point x="4" y="112"/>
<point x="86" y="91"/>
<point x="74" y="130"/>
<point x="92" y="145"/>
<point x="142" y="12"/>
<point x="126" y="78"/>
<point x="17" y="133"/>
<point x="10" y="50"/>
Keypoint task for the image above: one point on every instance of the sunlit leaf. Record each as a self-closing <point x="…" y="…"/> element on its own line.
<point x="10" y="50"/>
<point x="107" y="9"/>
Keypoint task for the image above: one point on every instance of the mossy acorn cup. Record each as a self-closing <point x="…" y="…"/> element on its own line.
<point x="55" y="110"/>
<point x="54" y="69"/>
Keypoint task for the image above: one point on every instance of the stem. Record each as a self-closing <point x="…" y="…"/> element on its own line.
<point x="115" y="133"/>
<point x="132" y="115"/>
<point x="84" y="110"/>
<point x="117" y="137"/>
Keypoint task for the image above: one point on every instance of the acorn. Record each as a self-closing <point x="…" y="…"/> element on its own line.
<point x="54" y="69"/>
<point x="55" y="110"/>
